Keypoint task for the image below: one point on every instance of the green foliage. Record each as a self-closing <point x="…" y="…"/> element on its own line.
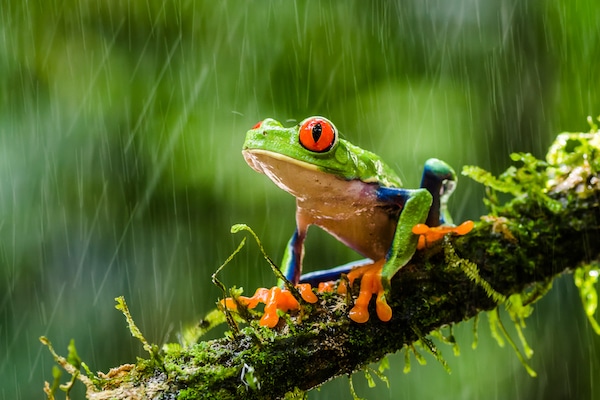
<point x="475" y="332"/>
<point x="572" y="165"/>
<point x="72" y="364"/>
<point x="515" y="306"/>
<point x="352" y="390"/>
<point x="528" y="180"/>
<point x="470" y="269"/>
<point x="449" y="340"/>
<point x="585" y="279"/>
<point x="495" y="324"/>
<point x="190" y="335"/>
<point x="577" y="149"/>
<point x="575" y="161"/>
<point x="571" y="170"/>
<point x="152" y="349"/>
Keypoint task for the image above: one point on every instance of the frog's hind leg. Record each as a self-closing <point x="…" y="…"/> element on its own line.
<point x="440" y="180"/>
<point x="375" y="277"/>
<point x="332" y="274"/>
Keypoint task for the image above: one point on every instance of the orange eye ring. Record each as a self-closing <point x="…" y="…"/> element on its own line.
<point x="317" y="134"/>
<point x="257" y="125"/>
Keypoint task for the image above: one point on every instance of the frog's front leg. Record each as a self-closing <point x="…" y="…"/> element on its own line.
<point x="375" y="278"/>
<point x="291" y="265"/>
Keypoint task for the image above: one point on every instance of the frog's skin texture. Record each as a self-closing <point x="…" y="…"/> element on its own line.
<point x="353" y="195"/>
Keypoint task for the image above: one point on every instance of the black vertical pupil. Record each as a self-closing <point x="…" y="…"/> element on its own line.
<point x="317" y="130"/>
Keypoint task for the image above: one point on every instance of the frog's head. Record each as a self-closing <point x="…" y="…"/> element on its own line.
<point x="293" y="157"/>
<point x="314" y="141"/>
<point x="301" y="154"/>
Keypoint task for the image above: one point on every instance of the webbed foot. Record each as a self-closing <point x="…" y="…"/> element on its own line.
<point x="370" y="284"/>
<point x="429" y="235"/>
<point x="274" y="299"/>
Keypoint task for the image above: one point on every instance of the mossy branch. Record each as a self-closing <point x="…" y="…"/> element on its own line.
<point x="552" y="226"/>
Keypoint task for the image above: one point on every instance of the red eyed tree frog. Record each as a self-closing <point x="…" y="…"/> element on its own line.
<point x="353" y="195"/>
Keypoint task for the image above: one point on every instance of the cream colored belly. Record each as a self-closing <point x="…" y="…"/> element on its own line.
<point x="361" y="224"/>
<point x="347" y="209"/>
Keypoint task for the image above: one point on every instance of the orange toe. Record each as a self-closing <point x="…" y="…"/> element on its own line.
<point x="327" y="287"/>
<point x="420" y="229"/>
<point x="306" y="292"/>
<point x="464" y="228"/>
<point x="429" y="235"/>
<point x="270" y="317"/>
<point x="274" y="299"/>
<point x="370" y="284"/>
<point x="384" y="311"/>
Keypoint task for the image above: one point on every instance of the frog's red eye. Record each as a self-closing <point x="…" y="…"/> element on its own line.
<point x="317" y="134"/>
<point x="257" y="125"/>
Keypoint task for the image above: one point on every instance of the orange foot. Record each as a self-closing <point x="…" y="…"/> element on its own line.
<point x="274" y="299"/>
<point x="326" y="287"/>
<point x="433" y="234"/>
<point x="370" y="284"/>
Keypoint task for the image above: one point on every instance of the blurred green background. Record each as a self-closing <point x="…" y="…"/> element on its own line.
<point x="121" y="125"/>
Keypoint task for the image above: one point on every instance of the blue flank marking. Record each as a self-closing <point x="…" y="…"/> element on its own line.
<point x="392" y="195"/>
<point x="291" y="267"/>
<point x="314" y="278"/>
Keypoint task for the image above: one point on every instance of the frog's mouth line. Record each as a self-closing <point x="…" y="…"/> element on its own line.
<point x="253" y="159"/>
<point x="299" y="178"/>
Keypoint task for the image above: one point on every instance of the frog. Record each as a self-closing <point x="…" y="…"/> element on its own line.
<point x="353" y="195"/>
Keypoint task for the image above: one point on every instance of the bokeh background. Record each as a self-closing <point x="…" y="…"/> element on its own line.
<point x="121" y="125"/>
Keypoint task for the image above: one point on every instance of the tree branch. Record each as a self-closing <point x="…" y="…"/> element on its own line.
<point x="550" y="227"/>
